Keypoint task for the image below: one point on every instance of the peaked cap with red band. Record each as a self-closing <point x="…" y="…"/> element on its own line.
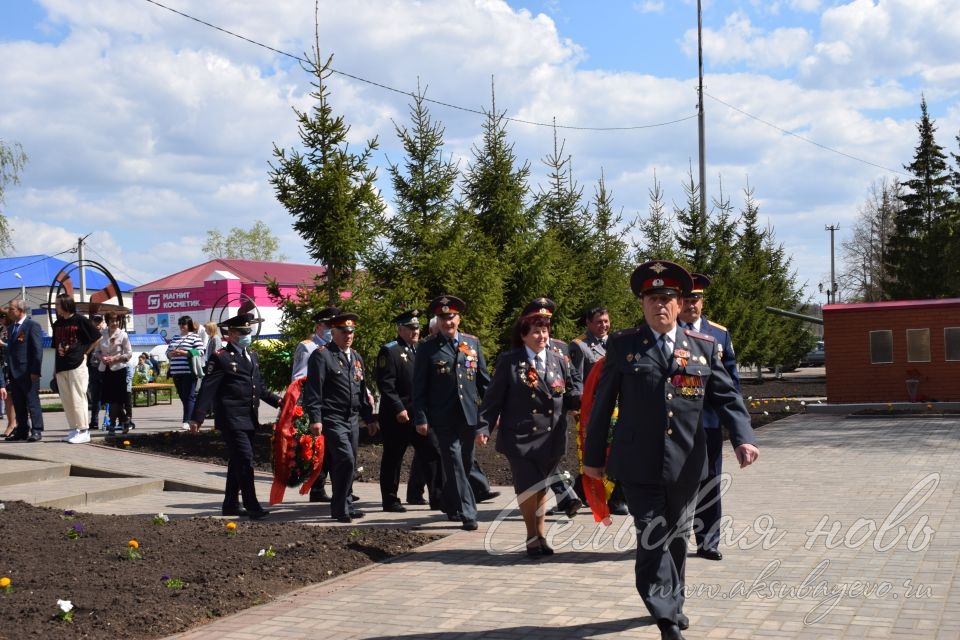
<point x="660" y="276"/>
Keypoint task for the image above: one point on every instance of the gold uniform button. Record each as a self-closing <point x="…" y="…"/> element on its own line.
<point x="534" y="411"/>
<point x="669" y="396"/>
<point x="669" y="432"/>
<point x="550" y="412"/>
<point x="669" y="414"/>
<point x="534" y="428"/>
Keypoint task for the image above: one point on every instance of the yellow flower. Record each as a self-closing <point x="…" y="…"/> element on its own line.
<point x="4" y="582"/>
<point x="126" y="443"/>
<point x="231" y="526"/>
<point x="133" y="544"/>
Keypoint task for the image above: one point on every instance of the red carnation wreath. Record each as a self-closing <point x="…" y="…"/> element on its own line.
<point x="297" y="453"/>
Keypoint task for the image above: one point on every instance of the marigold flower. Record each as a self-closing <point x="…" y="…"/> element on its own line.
<point x="231" y="526"/>
<point x="133" y="544"/>
<point x="4" y="582"/>
<point x="126" y="443"/>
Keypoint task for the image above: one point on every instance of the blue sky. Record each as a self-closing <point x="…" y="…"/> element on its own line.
<point x="148" y="129"/>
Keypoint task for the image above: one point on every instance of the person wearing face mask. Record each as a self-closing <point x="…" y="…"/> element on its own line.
<point x="233" y="388"/>
<point x="322" y="336"/>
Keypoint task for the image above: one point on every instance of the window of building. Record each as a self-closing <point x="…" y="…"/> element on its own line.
<point x="918" y="345"/>
<point x="881" y="346"/>
<point x="951" y="343"/>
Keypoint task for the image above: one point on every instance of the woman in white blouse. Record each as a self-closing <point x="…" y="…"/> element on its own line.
<point x="115" y="352"/>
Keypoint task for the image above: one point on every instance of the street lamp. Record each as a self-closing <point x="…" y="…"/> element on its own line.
<point x="23" y="287"/>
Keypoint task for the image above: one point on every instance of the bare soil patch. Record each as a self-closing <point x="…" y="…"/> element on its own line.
<point x="115" y="596"/>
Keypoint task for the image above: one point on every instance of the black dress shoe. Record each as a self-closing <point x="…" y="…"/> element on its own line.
<point x="454" y="517"/>
<point x="572" y="506"/>
<point x="344" y="519"/>
<point x="469" y="525"/>
<point x="618" y="509"/>
<point x="396" y="507"/>
<point x="233" y="511"/>
<point x="534" y="550"/>
<point x="552" y="511"/>
<point x="36" y="436"/>
<point x="709" y="554"/>
<point x="683" y="621"/>
<point x="16" y="437"/>
<point x="669" y="630"/>
<point x="354" y="498"/>
<point x="258" y="515"/>
<point x="319" y="496"/>
<point x="356" y="513"/>
<point x="545" y="549"/>
<point x="489" y="495"/>
<point x="416" y="501"/>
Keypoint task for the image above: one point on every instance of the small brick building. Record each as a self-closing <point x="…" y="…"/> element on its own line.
<point x="888" y="351"/>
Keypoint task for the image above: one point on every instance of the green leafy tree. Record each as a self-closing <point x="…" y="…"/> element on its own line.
<point x="328" y="189"/>
<point x="923" y="227"/>
<point x="12" y="161"/>
<point x="255" y="243"/>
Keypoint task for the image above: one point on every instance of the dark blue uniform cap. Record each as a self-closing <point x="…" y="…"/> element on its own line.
<point x="409" y="318"/>
<point x="447" y="305"/>
<point x="660" y="276"/>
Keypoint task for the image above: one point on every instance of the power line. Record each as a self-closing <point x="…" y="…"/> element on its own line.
<point x="409" y="93"/>
<point x="114" y="267"/>
<point x="27" y="264"/>
<point x="807" y="140"/>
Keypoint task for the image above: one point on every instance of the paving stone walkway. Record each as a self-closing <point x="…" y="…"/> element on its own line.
<point x="845" y="528"/>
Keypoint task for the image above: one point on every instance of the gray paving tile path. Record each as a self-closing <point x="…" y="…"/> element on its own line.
<point x="845" y="528"/>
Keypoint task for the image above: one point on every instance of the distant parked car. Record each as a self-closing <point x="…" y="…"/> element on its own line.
<point x="815" y="358"/>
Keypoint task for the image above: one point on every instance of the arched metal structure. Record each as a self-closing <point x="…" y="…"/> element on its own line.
<point x="245" y="302"/>
<point x="97" y="303"/>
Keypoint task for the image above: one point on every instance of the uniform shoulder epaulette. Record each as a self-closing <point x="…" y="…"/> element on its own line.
<point x="698" y="335"/>
<point x="308" y="341"/>
<point x="321" y="347"/>
<point x="580" y="338"/>
<point x="390" y="344"/>
<point x="467" y="335"/>
<point x="431" y="338"/>
<point x="557" y="342"/>
<point x="629" y="331"/>
<point x="718" y="326"/>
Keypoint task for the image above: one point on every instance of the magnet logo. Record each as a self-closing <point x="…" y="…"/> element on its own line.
<point x="153" y="301"/>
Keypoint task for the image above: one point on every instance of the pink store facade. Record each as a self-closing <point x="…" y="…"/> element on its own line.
<point x="214" y="290"/>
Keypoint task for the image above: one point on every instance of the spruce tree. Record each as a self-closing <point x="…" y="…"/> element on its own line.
<point x="657" y="240"/>
<point x="693" y="238"/>
<point x="328" y="189"/>
<point x="922" y="227"/>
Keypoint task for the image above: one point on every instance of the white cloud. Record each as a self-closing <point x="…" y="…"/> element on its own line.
<point x="740" y="42"/>
<point x="649" y="6"/>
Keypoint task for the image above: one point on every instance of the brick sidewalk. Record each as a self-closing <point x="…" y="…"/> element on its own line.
<point x="811" y="468"/>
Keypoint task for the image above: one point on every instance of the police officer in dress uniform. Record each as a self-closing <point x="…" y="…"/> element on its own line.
<point x="233" y="388"/>
<point x="395" y="380"/>
<point x="334" y="397"/>
<point x="662" y="377"/>
<point x="449" y="379"/>
<point x="322" y="335"/>
<point x="567" y="500"/>
<point x="707" y="526"/>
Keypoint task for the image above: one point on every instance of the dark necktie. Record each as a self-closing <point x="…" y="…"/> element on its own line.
<point x="541" y="368"/>
<point x="665" y="348"/>
<point x="14" y="330"/>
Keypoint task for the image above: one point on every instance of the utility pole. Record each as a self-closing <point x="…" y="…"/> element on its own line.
<point x="703" y="163"/>
<point x="833" y="273"/>
<point x="83" y="272"/>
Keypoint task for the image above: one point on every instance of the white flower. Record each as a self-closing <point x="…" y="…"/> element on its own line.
<point x="2" y="506"/>
<point x="65" y="605"/>
<point x="261" y="553"/>
<point x="163" y="516"/>
<point x="766" y="413"/>
<point x="787" y="408"/>
<point x="750" y="398"/>
<point x="803" y="403"/>
<point x="359" y="469"/>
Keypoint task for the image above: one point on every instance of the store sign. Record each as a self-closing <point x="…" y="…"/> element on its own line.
<point x="173" y="301"/>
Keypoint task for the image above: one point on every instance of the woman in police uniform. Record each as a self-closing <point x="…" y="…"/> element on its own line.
<point x="531" y="391"/>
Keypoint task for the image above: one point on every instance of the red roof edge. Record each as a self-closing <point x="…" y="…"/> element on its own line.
<point x="890" y="304"/>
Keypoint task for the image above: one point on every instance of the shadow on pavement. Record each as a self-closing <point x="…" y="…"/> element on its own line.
<point x="570" y="632"/>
